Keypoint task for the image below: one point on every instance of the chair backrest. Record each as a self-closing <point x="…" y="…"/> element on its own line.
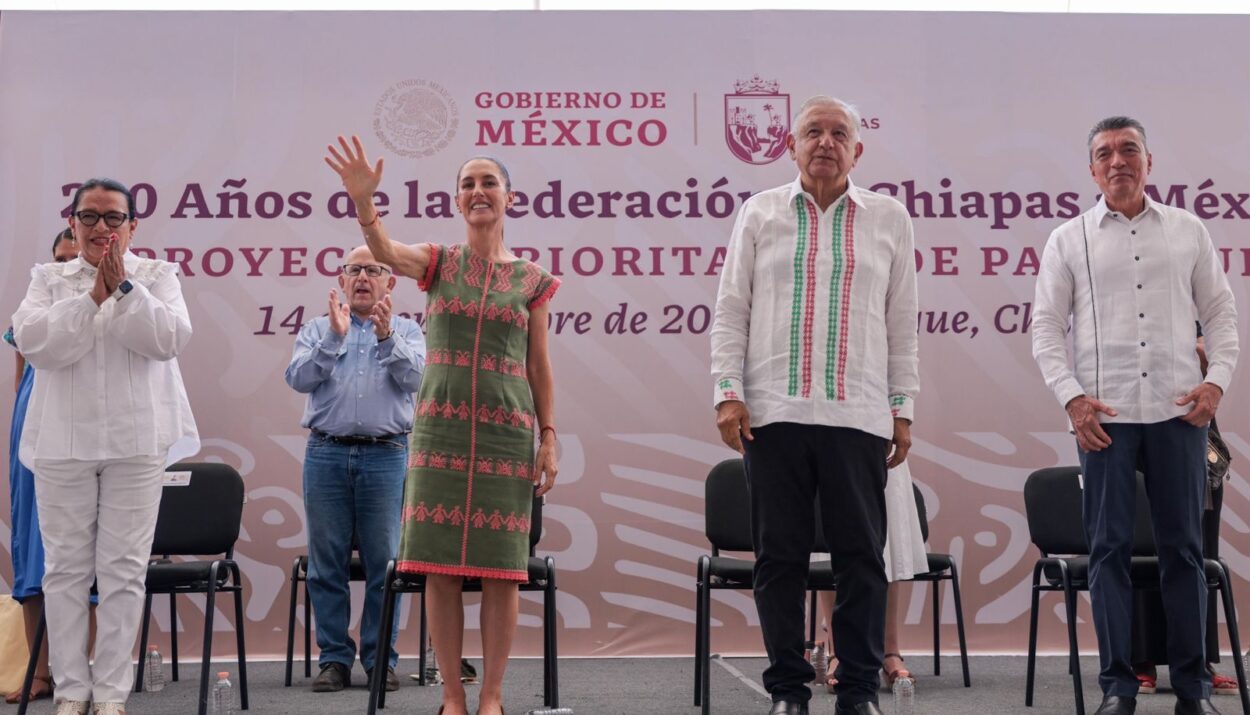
<point x="202" y="516"/>
<point x="727" y="507"/>
<point x="921" y="512"/>
<point x="822" y="546"/>
<point x="536" y="523"/>
<point x="1053" y="506"/>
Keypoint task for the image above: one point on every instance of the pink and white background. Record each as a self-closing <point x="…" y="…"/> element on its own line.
<point x="977" y="121"/>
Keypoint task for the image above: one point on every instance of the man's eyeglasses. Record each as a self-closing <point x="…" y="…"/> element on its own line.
<point x="112" y="219"/>
<point x="353" y="270"/>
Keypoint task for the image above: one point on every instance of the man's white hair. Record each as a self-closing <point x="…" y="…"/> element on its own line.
<point x="824" y="99"/>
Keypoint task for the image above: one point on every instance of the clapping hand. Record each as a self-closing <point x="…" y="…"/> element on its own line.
<point x="381" y="317"/>
<point x="110" y="272"/>
<point x="340" y="314"/>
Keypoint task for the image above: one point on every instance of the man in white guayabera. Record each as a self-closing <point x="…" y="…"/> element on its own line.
<point x="814" y="359"/>
<point x="1132" y="275"/>
<point x="108" y="412"/>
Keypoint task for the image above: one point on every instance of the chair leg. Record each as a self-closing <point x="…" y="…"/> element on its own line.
<point x="937" y="626"/>
<point x="377" y="693"/>
<point x="307" y="631"/>
<point x="290" y="623"/>
<point x="422" y="637"/>
<point x="240" y="627"/>
<point x="551" y="617"/>
<point x="143" y="641"/>
<point x="813" y="617"/>
<point x="206" y="659"/>
<point x="959" y="624"/>
<point x="700" y="584"/>
<point x="705" y="640"/>
<point x="1234" y="640"/>
<point x="173" y="636"/>
<point x="1074" y="653"/>
<point x="1032" y="656"/>
<point x="29" y="680"/>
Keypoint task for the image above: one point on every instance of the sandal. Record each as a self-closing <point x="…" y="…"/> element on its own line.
<point x="889" y="676"/>
<point x="831" y="682"/>
<point x="1223" y="685"/>
<point x="1147" y="678"/>
<point x="39" y="693"/>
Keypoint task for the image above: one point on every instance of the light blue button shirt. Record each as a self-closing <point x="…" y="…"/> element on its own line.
<point x="356" y="385"/>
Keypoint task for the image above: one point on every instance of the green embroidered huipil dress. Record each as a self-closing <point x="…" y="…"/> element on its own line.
<point x="468" y="494"/>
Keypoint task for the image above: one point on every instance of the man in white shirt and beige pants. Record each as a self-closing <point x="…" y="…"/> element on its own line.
<point x="815" y="369"/>
<point x="108" y="411"/>
<point x="1132" y="276"/>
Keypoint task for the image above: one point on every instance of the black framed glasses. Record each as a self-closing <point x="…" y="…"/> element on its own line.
<point x="371" y="270"/>
<point x="112" y="219"/>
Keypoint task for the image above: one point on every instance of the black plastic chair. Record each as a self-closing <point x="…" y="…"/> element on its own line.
<point x="941" y="567"/>
<point x="727" y="524"/>
<point x="542" y="579"/>
<point x="1052" y="501"/>
<point x="200" y="518"/>
<point x="299" y="574"/>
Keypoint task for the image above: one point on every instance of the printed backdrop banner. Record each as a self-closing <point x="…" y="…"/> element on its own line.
<point x="632" y="139"/>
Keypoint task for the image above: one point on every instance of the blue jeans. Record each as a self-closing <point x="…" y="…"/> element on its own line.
<point x="351" y="488"/>
<point x="1172" y="458"/>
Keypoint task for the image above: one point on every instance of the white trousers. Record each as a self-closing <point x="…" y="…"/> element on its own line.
<point x="97" y="520"/>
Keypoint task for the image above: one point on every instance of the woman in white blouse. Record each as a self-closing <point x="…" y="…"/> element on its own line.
<point x="108" y="412"/>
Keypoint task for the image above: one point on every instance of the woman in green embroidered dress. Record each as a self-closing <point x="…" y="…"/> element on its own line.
<point x="488" y="387"/>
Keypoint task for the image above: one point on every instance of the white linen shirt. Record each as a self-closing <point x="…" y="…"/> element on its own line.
<point x="107" y="384"/>
<point x="1133" y="290"/>
<point x="816" y="316"/>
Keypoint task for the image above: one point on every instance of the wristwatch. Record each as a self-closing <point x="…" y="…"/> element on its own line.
<point x="122" y="289"/>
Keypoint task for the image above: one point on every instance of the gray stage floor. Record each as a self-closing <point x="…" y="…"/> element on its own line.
<point x="664" y="685"/>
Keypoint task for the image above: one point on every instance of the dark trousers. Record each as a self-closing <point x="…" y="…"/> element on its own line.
<point x="1150" y="632"/>
<point x="788" y="466"/>
<point x="1172" y="456"/>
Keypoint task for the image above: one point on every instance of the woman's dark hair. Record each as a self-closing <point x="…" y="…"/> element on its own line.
<point x="108" y="185"/>
<point x="507" y="179"/>
<point x="66" y="235"/>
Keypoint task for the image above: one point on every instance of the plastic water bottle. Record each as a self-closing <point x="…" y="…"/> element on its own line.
<point x="820" y="663"/>
<point x="904" y="697"/>
<point x="432" y="676"/>
<point x="153" y="671"/>
<point x="222" y="700"/>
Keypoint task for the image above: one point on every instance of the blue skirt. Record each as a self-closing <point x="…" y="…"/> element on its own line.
<point x="26" y="543"/>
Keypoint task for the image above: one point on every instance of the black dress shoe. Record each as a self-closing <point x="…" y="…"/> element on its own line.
<point x="332" y="678"/>
<point x="864" y="708"/>
<point x="1117" y="705"/>
<point x="1195" y="706"/>
<point x="782" y="707"/>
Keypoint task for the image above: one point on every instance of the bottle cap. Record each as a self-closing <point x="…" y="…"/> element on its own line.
<point x="223" y="675"/>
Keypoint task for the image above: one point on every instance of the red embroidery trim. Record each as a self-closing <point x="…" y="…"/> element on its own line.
<point x="545" y="295"/>
<point x="844" y="323"/>
<point x="809" y="301"/>
<point x="425" y="567"/>
<point x="431" y="270"/>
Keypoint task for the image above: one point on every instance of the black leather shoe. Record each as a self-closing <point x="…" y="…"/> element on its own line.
<point x="392" y="680"/>
<point x="1117" y="705"/>
<point x="332" y="678"/>
<point x="782" y="707"/>
<point x="1194" y="706"/>
<point x="864" y="708"/>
